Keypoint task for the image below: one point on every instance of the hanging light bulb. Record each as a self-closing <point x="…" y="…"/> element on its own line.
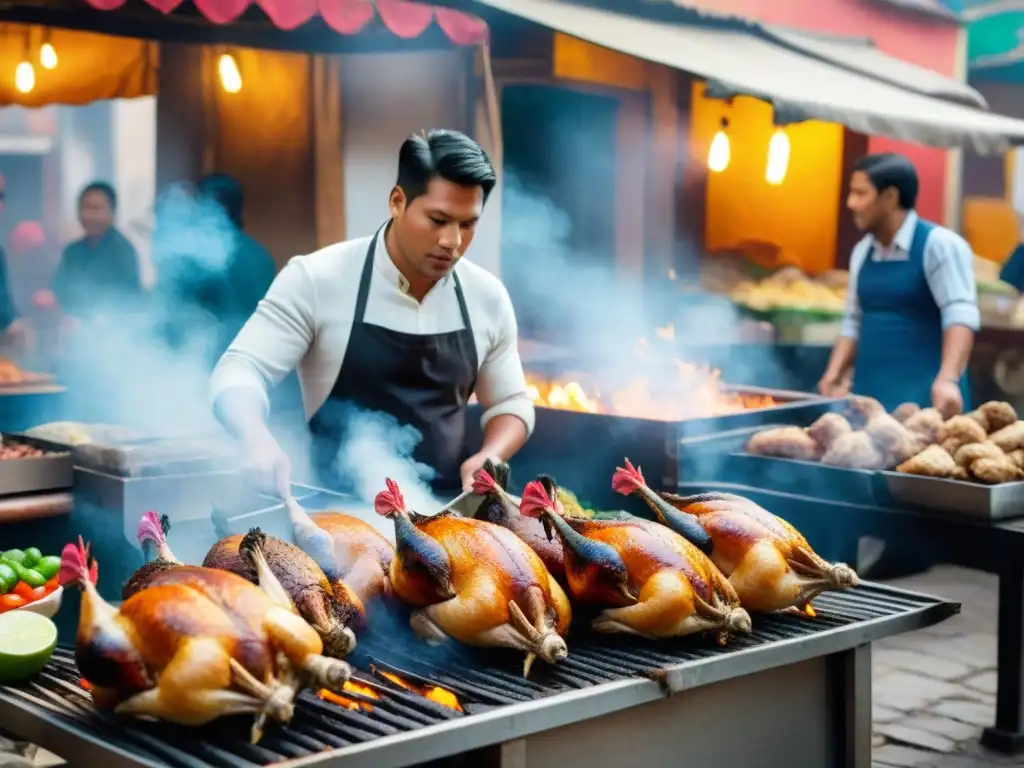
<point x="778" y="158"/>
<point x="718" y="155"/>
<point x="230" y="76"/>
<point x="25" y="73"/>
<point x="47" y="53"/>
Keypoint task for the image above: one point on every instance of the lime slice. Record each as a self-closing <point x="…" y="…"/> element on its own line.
<point x="27" y="641"/>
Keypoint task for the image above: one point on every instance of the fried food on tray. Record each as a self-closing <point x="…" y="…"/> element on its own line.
<point x="927" y="424"/>
<point x="785" y="443"/>
<point x="933" y="461"/>
<point x="994" y="415"/>
<point x="1017" y="457"/>
<point x="968" y="454"/>
<point x="647" y="579"/>
<point x="829" y="428"/>
<point x="196" y="645"/>
<point x="894" y="440"/>
<point x="905" y="411"/>
<point x="475" y="582"/>
<point x="855" y="450"/>
<point x="1010" y="438"/>
<point x="959" y="431"/>
<point x="995" y="471"/>
<point x="863" y="409"/>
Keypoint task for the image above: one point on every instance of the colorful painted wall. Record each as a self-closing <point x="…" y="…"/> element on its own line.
<point x="918" y="39"/>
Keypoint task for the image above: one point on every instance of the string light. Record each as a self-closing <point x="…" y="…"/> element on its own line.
<point x="47" y="53"/>
<point x="778" y="158"/>
<point x="25" y="73"/>
<point x="718" y="155"/>
<point x="230" y="76"/>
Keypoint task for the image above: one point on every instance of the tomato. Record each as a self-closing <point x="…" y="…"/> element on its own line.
<point x="10" y="601"/>
<point x="24" y="591"/>
<point x="52" y="585"/>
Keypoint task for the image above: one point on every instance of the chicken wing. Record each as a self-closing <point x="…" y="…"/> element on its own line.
<point x="829" y="428"/>
<point x="1010" y="438"/>
<point x="933" y="461"/>
<point x="784" y="443"/>
<point x="926" y="424"/>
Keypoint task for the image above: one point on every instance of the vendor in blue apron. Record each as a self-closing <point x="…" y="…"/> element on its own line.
<point x="912" y="308"/>
<point x="396" y="325"/>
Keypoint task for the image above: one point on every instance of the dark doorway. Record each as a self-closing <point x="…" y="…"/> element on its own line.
<point x="558" y="210"/>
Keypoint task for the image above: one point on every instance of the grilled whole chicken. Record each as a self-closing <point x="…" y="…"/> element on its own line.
<point x="650" y="580"/>
<point x="152" y="537"/>
<point x="346" y="548"/>
<point x="331" y="609"/>
<point x="475" y="582"/>
<point x="768" y="562"/>
<point x="172" y="651"/>
<point x="500" y="508"/>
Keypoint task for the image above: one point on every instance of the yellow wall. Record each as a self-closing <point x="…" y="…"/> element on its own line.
<point x="801" y="215"/>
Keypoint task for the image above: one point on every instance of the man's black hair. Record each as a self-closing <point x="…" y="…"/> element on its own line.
<point x="226" y="192"/>
<point x="888" y="169"/>
<point x="449" y="154"/>
<point x="103" y="188"/>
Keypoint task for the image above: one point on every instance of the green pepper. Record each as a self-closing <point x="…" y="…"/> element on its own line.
<point x="15" y="556"/>
<point x="48" y="566"/>
<point x="8" y="578"/>
<point x="30" y="576"/>
<point x="32" y="557"/>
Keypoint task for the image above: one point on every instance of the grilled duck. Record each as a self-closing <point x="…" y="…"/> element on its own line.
<point x="475" y="582"/>
<point x="769" y="564"/>
<point x="174" y="651"/>
<point x="332" y="609"/>
<point x="500" y="508"/>
<point x="346" y="549"/>
<point x="650" y="580"/>
<point x="152" y="536"/>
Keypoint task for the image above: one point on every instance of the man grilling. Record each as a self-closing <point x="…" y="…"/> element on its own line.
<point x="396" y="323"/>
<point x="912" y="310"/>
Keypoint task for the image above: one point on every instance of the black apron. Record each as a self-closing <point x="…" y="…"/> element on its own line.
<point x="421" y="381"/>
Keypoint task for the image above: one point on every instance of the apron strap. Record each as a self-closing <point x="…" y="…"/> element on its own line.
<point x="462" y="303"/>
<point x="364" y="280"/>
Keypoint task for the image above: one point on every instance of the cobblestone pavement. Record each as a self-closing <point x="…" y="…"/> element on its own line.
<point x="935" y="689"/>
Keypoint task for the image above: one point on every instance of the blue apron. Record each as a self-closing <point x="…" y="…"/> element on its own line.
<point x="899" y="350"/>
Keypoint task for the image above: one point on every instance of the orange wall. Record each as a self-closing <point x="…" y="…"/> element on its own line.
<point x="929" y="43"/>
<point x="799" y="215"/>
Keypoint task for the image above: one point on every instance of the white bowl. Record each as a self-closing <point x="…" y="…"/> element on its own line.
<point x="48" y="606"/>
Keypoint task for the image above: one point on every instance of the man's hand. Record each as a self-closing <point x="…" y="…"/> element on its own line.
<point x="834" y="386"/>
<point x="269" y="466"/>
<point x="946" y="397"/>
<point x="470" y="467"/>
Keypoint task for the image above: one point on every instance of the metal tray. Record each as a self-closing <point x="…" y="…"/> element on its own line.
<point x="803" y="478"/>
<point x="52" y="472"/>
<point x="963" y="499"/>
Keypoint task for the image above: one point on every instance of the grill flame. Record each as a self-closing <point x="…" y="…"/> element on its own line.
<point x="343" y="701"/>
<point x="434" y="693"/>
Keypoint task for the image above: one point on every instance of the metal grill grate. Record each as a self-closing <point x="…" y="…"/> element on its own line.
<point x="55" y="712"/>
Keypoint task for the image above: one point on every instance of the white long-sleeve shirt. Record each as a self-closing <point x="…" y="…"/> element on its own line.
<point x="948" y="268"/>
<point x="306" y="318"/>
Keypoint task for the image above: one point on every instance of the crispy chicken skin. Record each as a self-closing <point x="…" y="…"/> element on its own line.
<point x="785" y="443"/>
<point x="1010" y="438"/>
<point x="499" y="508"/>
<point x="960" y="431"/>
<point x="331" y="609"/>
<point x="649" y="580"/>
<point x="995" y="471"/>
<point x="475" y="582"/>
<point x="768" y="562"/>
<point x="174" y="652"/>
<point x="994" y="415"/>
<point x="933" y="461"/>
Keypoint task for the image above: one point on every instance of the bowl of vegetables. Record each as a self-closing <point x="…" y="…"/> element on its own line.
<point x="28" y="581"/>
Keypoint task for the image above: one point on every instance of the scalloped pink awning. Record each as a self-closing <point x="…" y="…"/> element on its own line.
<point x="349" y="17"/>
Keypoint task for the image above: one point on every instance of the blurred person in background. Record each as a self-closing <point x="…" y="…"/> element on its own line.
<point x="1012" y="271"/>
<point x="16" y="337"/>
<point x="98" y="275"/>
<point x="912" y="309"/>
